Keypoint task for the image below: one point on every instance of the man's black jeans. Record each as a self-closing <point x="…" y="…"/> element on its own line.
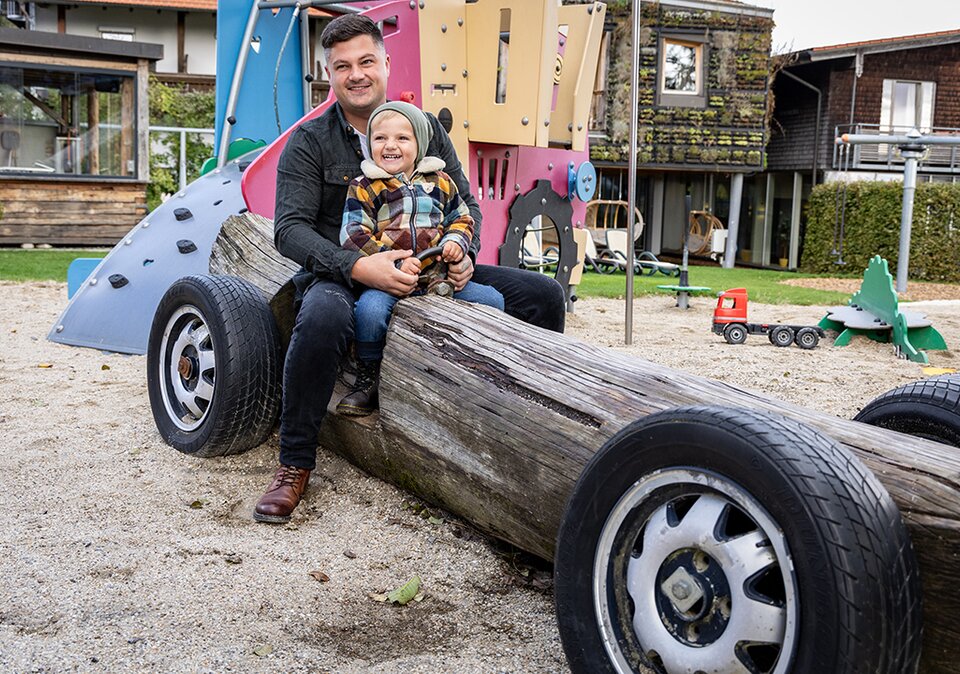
<point x="324" y="330"/>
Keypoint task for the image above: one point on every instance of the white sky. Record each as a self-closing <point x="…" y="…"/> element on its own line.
<point x="817" y="23"/>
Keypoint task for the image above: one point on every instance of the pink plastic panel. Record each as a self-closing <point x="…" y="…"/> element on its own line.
<point x="402" y="42"/>
<point x="496" y="171"/>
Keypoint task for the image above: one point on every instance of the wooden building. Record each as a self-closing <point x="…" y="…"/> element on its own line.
<point x="73" y="137"/>
<point x="703" y="96"/>
<point x="886" y="86"/>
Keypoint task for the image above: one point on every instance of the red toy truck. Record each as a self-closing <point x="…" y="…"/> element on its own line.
<point x="730" y="320"/>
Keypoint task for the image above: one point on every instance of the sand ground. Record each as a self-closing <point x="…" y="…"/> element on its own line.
<point x="120" y="554"/>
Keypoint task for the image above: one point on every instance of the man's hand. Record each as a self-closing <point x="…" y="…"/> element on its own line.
<point x="460" y="272"/>
<point x="379" y="271"/>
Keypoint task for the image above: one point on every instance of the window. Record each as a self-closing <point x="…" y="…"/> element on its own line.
<point x="681" y="81"/>
<point x="61" y="122"/>
<point x="907" y="105"/>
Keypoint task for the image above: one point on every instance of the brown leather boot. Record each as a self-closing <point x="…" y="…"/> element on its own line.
<point x="364" y="397"/>
<point x="283" y="495"/>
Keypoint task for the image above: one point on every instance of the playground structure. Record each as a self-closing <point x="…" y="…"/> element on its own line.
<point x="687" y="543"/>
<point x="730" y="320"/>
<point x="510" y="81"/>
<point x="874" y="312"/>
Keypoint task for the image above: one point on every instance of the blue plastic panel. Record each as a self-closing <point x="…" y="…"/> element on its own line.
<point x="255" y="110"/>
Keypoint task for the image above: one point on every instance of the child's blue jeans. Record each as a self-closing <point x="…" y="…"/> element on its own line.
<point x="373" y="309"/>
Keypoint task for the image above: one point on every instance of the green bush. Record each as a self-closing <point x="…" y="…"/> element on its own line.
<point x="872" y="227"/>
<point x="172" y="105"/>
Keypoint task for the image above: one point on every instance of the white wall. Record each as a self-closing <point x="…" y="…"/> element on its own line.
<point x="148" y="25"/>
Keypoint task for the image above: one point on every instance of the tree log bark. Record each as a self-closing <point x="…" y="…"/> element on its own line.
<point x="494" y="420"/>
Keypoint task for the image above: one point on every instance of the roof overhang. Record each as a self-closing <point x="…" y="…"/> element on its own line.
<point x="876" y="47"/>
<point x="726" y="7"/>
<point x="33" y="41"/>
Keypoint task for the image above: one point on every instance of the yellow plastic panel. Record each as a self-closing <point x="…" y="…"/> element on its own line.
<point x="529" y="78"/>
<point x="443" y="61"/>
<point x="568" y="122"/>
<point x="580" y="238"/>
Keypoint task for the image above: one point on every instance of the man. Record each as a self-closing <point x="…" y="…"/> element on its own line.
<point x="320" y="159"/>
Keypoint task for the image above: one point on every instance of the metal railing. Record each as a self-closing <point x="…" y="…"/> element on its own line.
<point x="886" y="156"/>
<point x="182" y="145"/>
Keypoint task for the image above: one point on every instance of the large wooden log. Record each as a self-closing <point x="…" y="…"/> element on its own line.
<point x="494" y="420"/>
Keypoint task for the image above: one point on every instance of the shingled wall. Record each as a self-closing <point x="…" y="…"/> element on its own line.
<point x="729" y="131"/>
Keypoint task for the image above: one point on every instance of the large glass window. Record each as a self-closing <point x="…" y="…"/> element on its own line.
<point x="62" y="122"/>
<point x="907" y="105"/>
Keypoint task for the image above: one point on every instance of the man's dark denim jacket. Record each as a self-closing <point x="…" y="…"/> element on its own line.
<point x="320" y="159"/>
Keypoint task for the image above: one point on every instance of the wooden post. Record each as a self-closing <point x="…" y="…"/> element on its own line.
<point x="93" y="130"/>
<point x="494" y="420"/>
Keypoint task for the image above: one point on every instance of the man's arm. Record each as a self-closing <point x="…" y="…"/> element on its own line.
<point x="445" y="150"/>
<point x="300" y="188"/>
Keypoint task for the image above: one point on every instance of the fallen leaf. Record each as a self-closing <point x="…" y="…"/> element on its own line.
<point x="45" y="366"/>
<point x="350" y="554"/>
<point x="104" y="367"/>
<point x="199" y="503"/>
<point x="419" y="597"/>
<point x="233" y="559"/>
<point x="262" y="650"/>
<point x="320" y="575"/>
<point x="435" y="520"/>
<point x="933" y="371"/>
<point x="404" y="594"/>
<point x="377" y="597"/>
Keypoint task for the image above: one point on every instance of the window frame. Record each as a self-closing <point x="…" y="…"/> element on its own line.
<point x="11" y="173"/>
<point x="682" y="99"/>
<point x="888" y="98"/>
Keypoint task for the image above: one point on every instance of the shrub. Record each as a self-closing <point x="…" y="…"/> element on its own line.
<point x="872" y="227"/>
<point x="172" y="105"/>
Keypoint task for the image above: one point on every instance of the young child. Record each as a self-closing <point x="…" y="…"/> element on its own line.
<point x="403" y="201"/>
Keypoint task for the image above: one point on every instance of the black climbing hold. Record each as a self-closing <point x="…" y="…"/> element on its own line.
<point x="243" y="210"/>
<point x="218" y="202"/>
<point x="118" y="280"/>
<point x="243" y="165"/>
<point x="182" y="214"/>
<point x="186" y="246"/>
<point x="226" y="182"/>
<point x="147" y="262"/>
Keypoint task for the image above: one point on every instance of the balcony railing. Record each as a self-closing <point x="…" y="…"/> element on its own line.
<point x="886" y="157"/>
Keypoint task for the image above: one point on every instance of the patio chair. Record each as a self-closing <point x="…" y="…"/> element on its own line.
<point x="644" y="263"/>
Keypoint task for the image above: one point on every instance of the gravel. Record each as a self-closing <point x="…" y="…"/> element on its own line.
<point x="120" y="554"/>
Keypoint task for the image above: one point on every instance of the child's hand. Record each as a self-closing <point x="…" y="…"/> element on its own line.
<point x="452" y="252"/>
<point x="410" y="265"/>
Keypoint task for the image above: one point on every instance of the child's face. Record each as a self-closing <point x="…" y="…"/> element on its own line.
<point x="393" y="144"/>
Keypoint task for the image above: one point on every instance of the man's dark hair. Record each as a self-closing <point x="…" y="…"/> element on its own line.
<point x="347" y="27"/>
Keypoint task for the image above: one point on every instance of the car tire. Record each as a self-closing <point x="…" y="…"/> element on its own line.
<point x="929" y="408"/>
<point x="213" y="366"/>
<point x="793" y="555"/>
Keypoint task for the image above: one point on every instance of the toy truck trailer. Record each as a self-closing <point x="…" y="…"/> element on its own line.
<point x="730" y="320"/>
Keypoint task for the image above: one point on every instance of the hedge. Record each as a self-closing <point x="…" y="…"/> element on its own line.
<point x="872" y="227"/>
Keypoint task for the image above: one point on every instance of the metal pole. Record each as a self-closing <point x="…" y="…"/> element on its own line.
<point x="632" y="168"/>
<point x="306" y="67"/>
<point x="183" y="160"/>
<point x="229" y="114"/>
<point x="910" y="155"/>
<point x="733" y="221"/>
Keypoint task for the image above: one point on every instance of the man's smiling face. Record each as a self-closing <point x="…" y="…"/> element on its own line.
<point x="358" y="70"/>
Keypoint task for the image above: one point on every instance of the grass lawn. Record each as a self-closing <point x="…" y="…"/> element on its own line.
<point x="17" y="264"/>
<point x="763" y="285"/>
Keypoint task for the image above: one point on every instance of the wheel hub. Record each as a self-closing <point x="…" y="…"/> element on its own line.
<point x="186" y="367"/>
<point x="693" y="601"/>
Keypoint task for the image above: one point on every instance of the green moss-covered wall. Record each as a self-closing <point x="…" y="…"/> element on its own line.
<point x="730" y="130"/>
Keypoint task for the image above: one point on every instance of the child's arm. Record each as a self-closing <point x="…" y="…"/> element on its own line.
<point x="457" y="225"/>
<point x="359" y="228"/>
